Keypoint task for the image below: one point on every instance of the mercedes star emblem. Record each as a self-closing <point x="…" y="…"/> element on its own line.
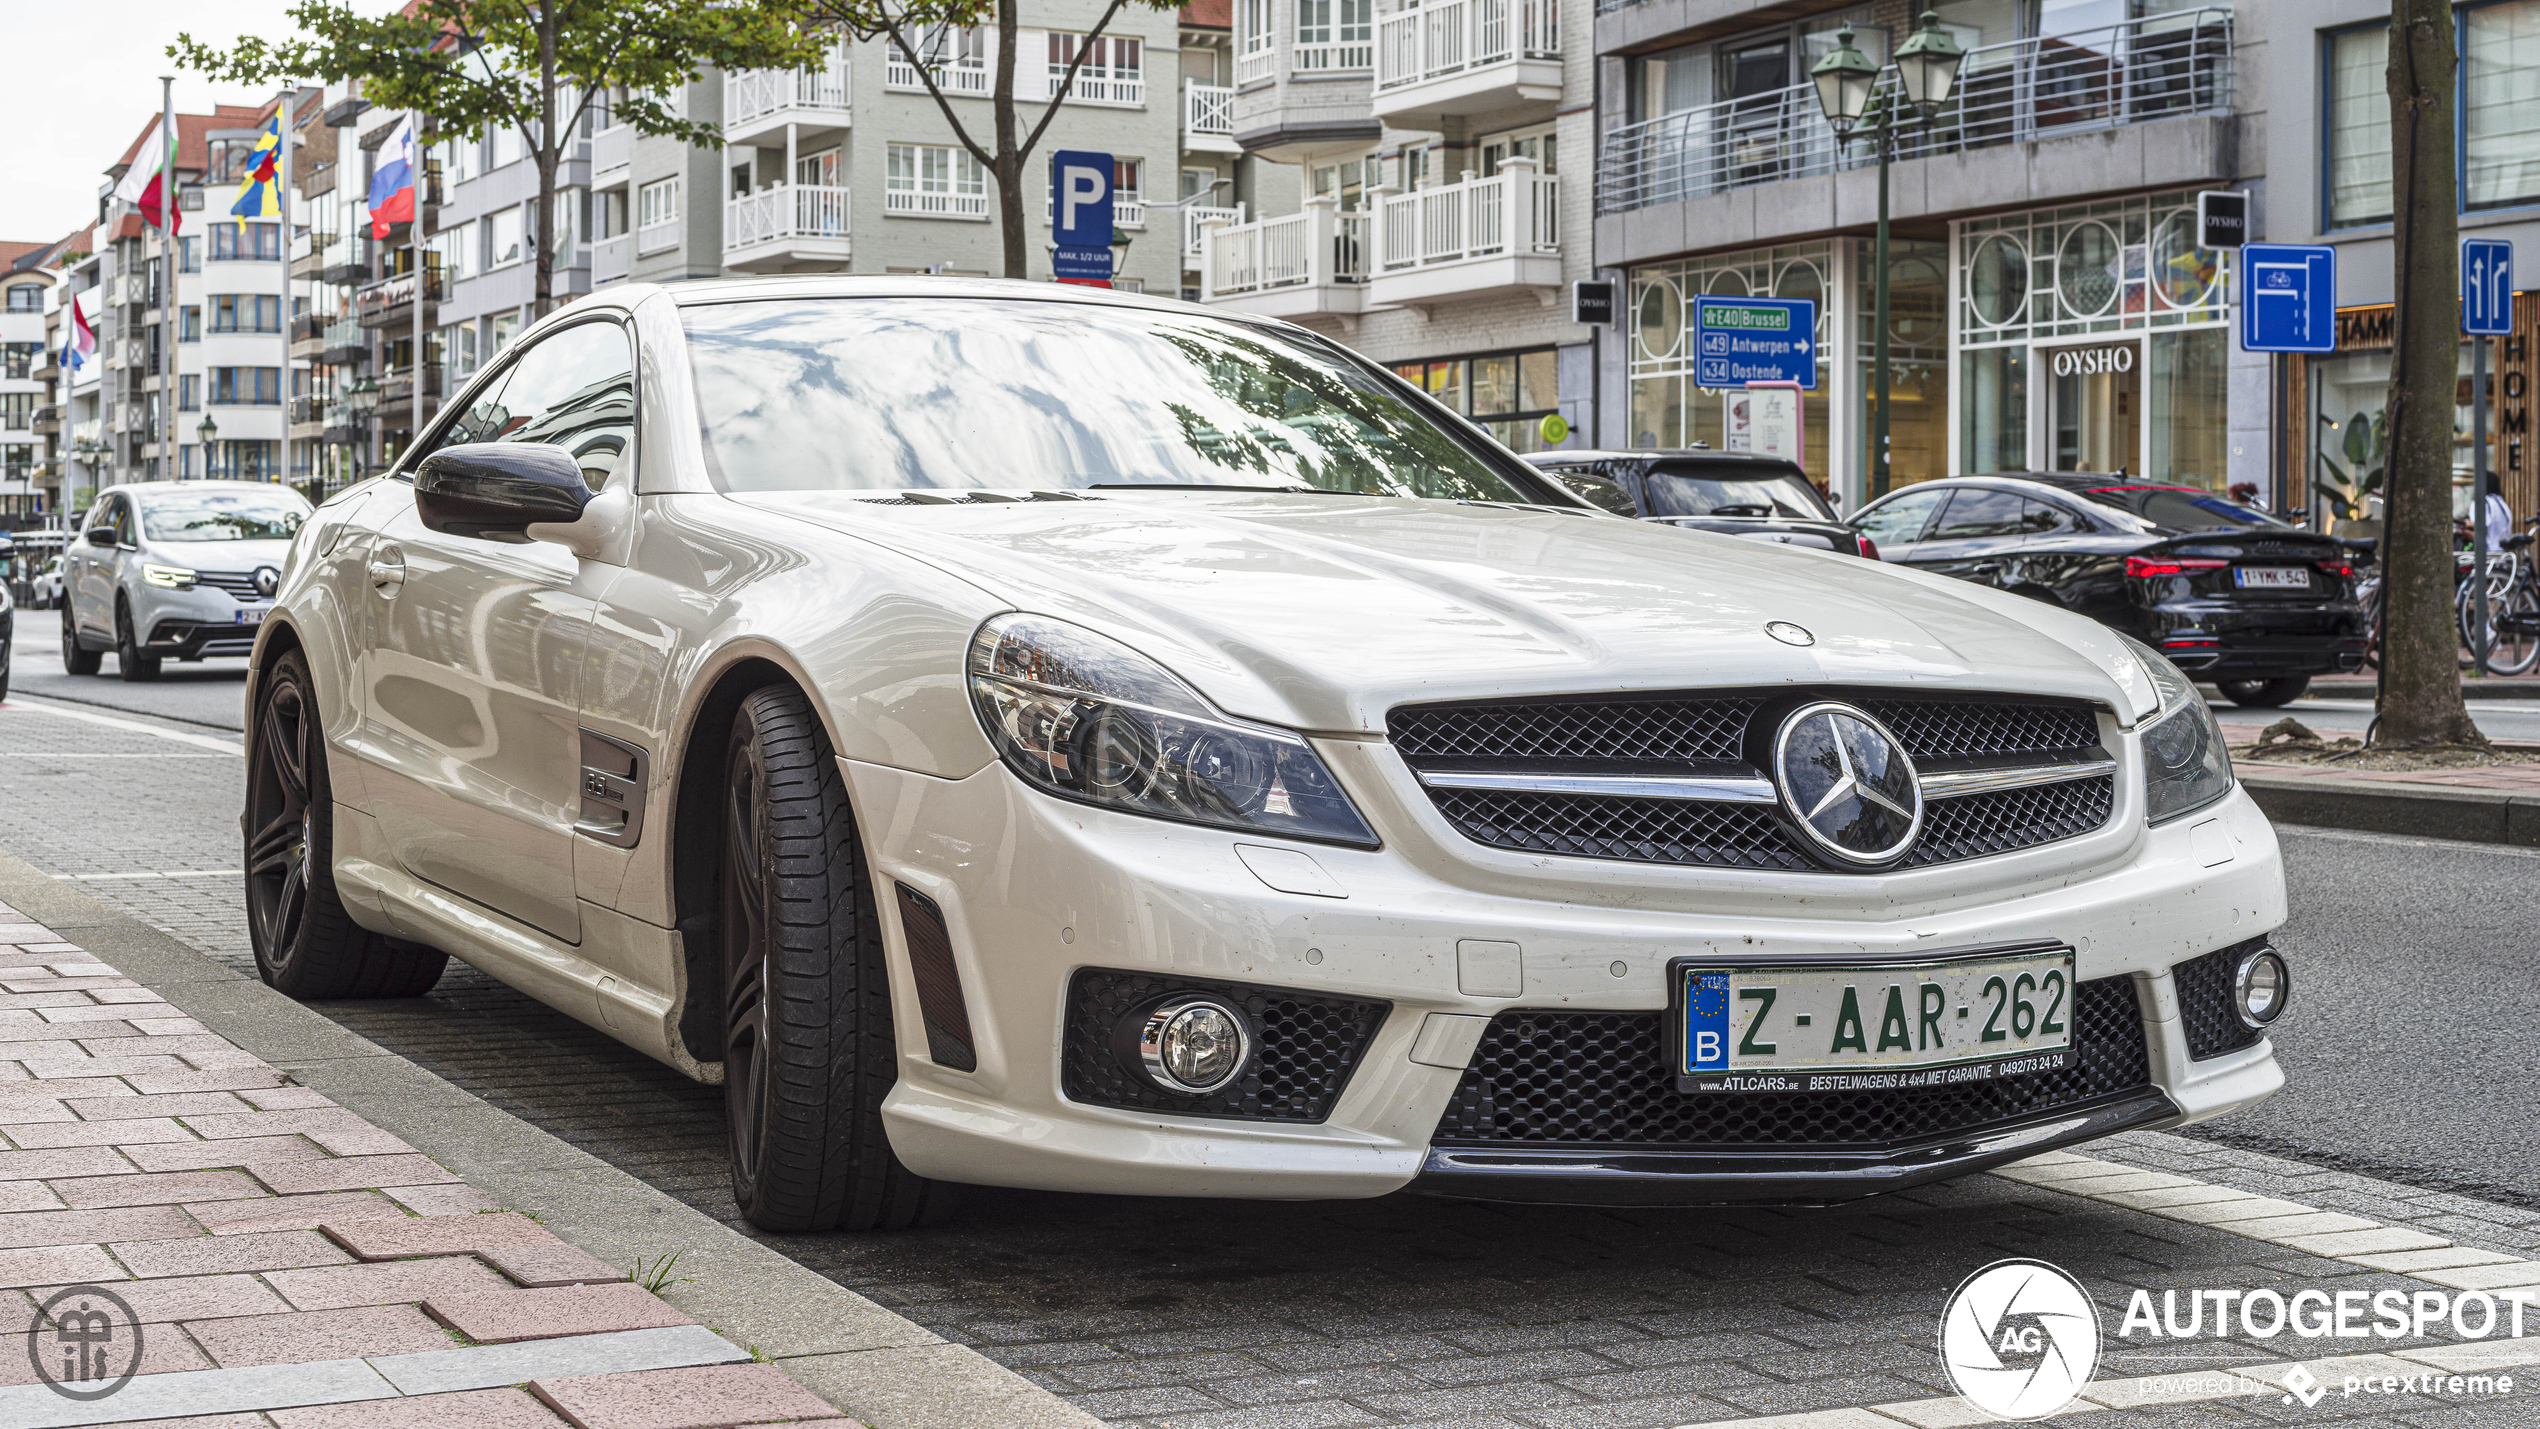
<point x="1848" y="784"/>
<point x="267" y="579"/>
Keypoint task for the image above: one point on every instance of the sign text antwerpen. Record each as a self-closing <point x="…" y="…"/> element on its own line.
<point x="1743" y="340"/>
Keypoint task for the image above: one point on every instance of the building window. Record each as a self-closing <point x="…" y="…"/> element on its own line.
<point x="246" y="386"/>
<point x="2358" y="140"/>
<point x="26" y="298"/>
<point x="1509" y="393"/>
<point x="21" y="358"/>
<point x="1255" y="45"/>
<point x="17" y="410"/>
<point x="1335" y="35"/>
<point x="189" y="392"/>
<point x="2500" y="104"/>
<point x="189" y="324"/>
<point x="457" y="247"/>
<point x="1113" y="71"/>
<point x="506" y="327"/>
<point x="657" y="216"/>
<point x="19" y="465"/>
<point x="246" y="242"/>
<point x="1669" y="406"/>
<point x="934" y="181"/>
<point x="245" y="312"/>
<point x="503" y="238"/>
<point x="189" y="254"/>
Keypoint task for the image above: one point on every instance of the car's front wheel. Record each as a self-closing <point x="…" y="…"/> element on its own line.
<point x="77" y="659"/>
<point x="808" y="1050"/>
<point x="306" y="944"/>
<point x="2264" y="694"/>
<point x="129" y="661"/>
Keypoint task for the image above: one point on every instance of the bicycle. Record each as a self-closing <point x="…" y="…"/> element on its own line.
<point x="2513" y="607"/>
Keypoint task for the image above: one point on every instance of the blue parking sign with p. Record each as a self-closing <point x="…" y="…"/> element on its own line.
<point x="1080" y="214"/>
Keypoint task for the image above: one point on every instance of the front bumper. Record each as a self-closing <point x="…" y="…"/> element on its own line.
<point x="192" y="624"/>
<point x="1033" y="890"/>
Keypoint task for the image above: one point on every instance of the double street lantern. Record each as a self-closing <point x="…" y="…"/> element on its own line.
<point x="209" y="431"/>
<point x="1847" y="84"/>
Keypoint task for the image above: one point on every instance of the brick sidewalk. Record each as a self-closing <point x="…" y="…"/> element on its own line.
<point x="289" y="1265"/>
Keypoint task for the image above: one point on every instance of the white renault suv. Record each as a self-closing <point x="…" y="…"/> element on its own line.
<point x="174" y="569"/>
<point x="1014" y="735"/>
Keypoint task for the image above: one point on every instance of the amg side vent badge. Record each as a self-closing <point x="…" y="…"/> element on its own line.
<point x="614" y="774"/>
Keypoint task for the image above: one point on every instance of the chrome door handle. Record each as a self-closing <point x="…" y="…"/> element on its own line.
<point x="387" y="568"/>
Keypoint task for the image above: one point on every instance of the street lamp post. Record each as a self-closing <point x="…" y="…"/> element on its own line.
<point x="363" y="397"/>
<point x="207" y="429"/>
<point x="1926" y="70"/>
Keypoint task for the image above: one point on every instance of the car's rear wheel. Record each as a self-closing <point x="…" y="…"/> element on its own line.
<point x="7" y="641"/>
<point x="2264" y="694"/>
<point x="306" y="944"/>
<point x="129" y="661"/>
<point x="808" y="1050"/>
<point x="77" y="659"/>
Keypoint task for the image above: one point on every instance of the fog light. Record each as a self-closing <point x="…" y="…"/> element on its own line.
<point x="2261" y="987"/>
<point x="1191" y="1046"/>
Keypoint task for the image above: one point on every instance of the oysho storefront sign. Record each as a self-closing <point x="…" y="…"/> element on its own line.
<point x="2093" y="361"/>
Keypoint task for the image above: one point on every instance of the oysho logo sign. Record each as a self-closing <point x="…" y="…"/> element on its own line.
<point x="2019" y="1339"/>
<point x="2092" y="361"/>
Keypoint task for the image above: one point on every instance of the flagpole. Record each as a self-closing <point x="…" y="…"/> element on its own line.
<point x="414" y="239"/>
<point x="288" y="112"/>
<point x="167" y="293"/>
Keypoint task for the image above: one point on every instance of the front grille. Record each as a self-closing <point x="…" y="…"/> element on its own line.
<point x="241" y="584"/>
<point x="1601" y="1079"/>
<point x="1633" y="734"/>
<point x="1309" y="1043"/>
<point x="2206" y="1002"/>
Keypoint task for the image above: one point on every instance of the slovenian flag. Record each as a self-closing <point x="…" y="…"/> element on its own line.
<point x="145" y="183"/>
<point x="392" y="183"/>
<point x="82" y="340"/>
<point x="260" y="193"/>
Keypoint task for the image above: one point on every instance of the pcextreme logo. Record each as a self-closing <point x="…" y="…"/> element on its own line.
<point x="2019" y="1339"/>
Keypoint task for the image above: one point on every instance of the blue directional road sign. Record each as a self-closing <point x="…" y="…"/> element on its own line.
<point x="1080" y="220"/>
<point x="1742" y="340"/>
<point x="2288" y="298"/>
<point x="2487" y="286"/>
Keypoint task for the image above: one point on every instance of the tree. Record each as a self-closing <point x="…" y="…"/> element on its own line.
<point x="911" y="24"/>
<point x="466" y="65"/>
<point x="2420" y="680"/>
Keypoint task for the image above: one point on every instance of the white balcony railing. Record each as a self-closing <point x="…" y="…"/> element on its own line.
<point x="2160" y="67"/>
<point x="757" y="93"/>
<point x="1339" y="57"/>
<point x="657" y="237"/>
<point x="1316" y="248"/>
<point x="934" y="203"/>
<point x="1255" y="65"/>
<point x="786" y="212"/>
<point x="1208" y="109"/>
<point x="611" y="259"/>
<point x="1126" y="90"/>
<point x="613" y="149"/>
<point x="1454" y="36"/>
<point x="971" y="77"/>
<point x="1195" y="221"/>
<point x="1515" y="212"/>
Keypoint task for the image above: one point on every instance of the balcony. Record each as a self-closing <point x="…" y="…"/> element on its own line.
<point x="1306" y="264"/>
<point x="343" y="342"/>
<point x="1123" y="91"/>
<point x="970" y="76"/>
<point x="1255" y="65"/>
<point x="2115" y="77"/>
<point x="1350" y="54"/>
<point x="47" y="421"/>
<point x="786" y="228"/>
<point x="613" y="153"/>
<point x="1195" y="221"/>
<point x="1468" y="240"/>
<point x="390" y="302"/>
<point x="1455" y="57"/>
<point x="1208" y="119"/>
<point x="937" y="203"/>
<point x="759" y="103"/>
<point x="611" y="259"/>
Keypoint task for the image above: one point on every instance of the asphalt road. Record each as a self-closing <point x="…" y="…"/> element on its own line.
<point x="208" y="692"/>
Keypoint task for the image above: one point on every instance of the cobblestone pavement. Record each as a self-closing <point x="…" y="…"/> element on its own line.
<point x="1404" y="1311"/>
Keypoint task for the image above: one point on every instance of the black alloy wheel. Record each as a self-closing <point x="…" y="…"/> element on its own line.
<point x="129" y="661"/>
<point x="306" y="943"/>
<point x="77" y="659"/>
<point x="808" y="1047"/>
<point x="2264" y="694"/>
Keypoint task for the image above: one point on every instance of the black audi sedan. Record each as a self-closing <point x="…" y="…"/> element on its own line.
<point x="1734" y="493"/>
<point x="2233" y="596"/>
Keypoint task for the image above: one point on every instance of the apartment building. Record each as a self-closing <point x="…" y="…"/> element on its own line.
<point x="29" y="417"/>
<point x="1443" y="206"/>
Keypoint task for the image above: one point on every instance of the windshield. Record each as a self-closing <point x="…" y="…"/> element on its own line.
<point x="223" y="516"/>
<point x="919" y="392"/>
<point x="1694" y="491"/>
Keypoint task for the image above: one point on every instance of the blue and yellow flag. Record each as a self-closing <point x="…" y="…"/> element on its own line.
<point x="260" y="194"/>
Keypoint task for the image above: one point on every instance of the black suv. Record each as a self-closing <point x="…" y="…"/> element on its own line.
<point x="1734" y="493"/>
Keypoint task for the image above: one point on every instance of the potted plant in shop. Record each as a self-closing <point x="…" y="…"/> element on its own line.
<point x="2351" y="487"/>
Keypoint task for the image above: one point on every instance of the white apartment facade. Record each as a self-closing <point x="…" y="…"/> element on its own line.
<point x="27" y="418"/>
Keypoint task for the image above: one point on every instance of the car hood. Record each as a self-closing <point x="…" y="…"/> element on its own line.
<point x="220" y="555"/>
<point x="1323" y="612"/>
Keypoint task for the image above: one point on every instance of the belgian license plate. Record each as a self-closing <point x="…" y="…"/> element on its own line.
<point x="1905" y="1025"/>
<point x="2271" y="577"/>
<point x="252" y="616"/>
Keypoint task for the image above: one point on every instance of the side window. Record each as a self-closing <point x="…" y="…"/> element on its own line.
<point x="2045" y="518"/>
<point x="576" y="390"/>
<point x="484" y="419"/>
<point x="1601" y="492"/>
<point x="1974" y="512"/>
<point x="1899" y="520"/>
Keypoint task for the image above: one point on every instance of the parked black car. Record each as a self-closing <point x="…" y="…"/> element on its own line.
<point x="2233" y="596"/>
<point x="1736" y="493"/>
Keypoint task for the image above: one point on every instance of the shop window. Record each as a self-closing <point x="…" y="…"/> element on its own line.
<point x="1508" y="393"/>
<point x="1993" y="409"/>
<point x="2190" y="412"/>
<point x="1669" y="407"/>
<point x="2358" y="131"/>
<point x="2500" y="104"/>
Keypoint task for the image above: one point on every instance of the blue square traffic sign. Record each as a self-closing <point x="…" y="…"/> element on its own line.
<point x="1080" y="200"/>
<point x="1742" y="340"/>
<point x="2288" y="298"/>
<point x="2487" y="286"/>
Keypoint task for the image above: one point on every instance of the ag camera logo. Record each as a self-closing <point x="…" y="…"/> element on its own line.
<point x="2019" y="1339"/>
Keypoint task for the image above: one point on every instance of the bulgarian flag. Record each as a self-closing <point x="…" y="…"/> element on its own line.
<point x="147" y="185"/>
<point x="82" y="342"/>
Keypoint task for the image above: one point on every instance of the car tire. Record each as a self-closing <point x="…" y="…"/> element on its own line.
<point x="808" y="1047"/>
<point x="306" y="943"/>
<point x="7" y="644"/>
<point x="2264" y="694"/>
<point x="129" y="661"/>
<point x="77" y="659"/>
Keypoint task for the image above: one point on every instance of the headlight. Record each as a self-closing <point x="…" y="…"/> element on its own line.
<point x="2185" y="763"/>
<point x="170" y="577"/>
<point x="1085" y="717"/>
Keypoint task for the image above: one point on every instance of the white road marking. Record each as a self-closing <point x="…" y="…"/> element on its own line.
<point x="2360" y="836"/>
<point x="34" y="706"/>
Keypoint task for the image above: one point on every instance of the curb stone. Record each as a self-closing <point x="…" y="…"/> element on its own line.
<point x="2494" y="816"/>
<point x="874" y="1364"/>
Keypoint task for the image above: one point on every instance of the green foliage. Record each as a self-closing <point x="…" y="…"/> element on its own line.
<point x="655" y="1275"/>
<point x="2365" y="444"/>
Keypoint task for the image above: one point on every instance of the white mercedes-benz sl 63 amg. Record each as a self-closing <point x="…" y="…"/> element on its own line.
<point x="1009" y="734"/>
